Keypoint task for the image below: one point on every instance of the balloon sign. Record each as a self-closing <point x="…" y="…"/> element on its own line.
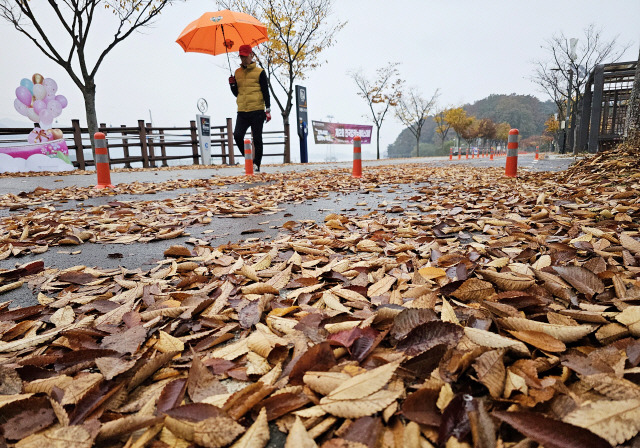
<point x="36" y="99"/>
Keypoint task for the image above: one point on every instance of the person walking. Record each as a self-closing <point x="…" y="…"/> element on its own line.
<point x="250" y="86"/>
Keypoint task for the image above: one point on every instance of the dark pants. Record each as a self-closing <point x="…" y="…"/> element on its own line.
<point x="255" y="120"/>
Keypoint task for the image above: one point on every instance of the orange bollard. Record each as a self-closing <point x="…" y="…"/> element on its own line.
<point x="511" y="168"/>
<point x="467" y="153"/>
<point x="491" y="151"/>
<point x="357" y="157"/>
<point x="450" y="153"/>
<point x="102" y="162"/>
<point x="459" y="153"/>
<point x="248" y="160"/>
<point x="537" y="157"/>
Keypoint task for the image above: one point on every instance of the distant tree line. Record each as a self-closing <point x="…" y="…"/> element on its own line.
<point x="486" y="122"/>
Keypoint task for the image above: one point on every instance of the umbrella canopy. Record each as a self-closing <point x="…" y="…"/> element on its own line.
<point x="222" y="32"/>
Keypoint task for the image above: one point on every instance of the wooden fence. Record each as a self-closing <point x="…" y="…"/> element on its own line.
<point x="154" y="146"/>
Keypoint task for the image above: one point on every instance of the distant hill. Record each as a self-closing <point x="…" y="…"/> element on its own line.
<point x="524" y="112"/>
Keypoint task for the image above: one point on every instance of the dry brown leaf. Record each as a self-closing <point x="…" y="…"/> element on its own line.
<point x="364" y="384"/>
<point x="325" y="382"/>
<point x="61" y="437"/>
<point x="299" y="437"/>
<point x="581" y="278"/>
<point x="167" y="343"/>
<point x="381" y="286"/>
<point x="540" y="340"/>
<point x="631" y="318"/>
<point x="564" y="333"/>
<point x="616" y="421"/>
<point x="493" y="340"/>
<point x="507" y="281"/>
<point x="491" y="372"/>
<point x="62" y="317"/>
<point x="361" y="407"/>
<point x="259" y="288"/>
<point x="257" y="436"/>
<point x="474" y="289"/>
<point x="431" y="272"/>
<point x="630" y="243"/>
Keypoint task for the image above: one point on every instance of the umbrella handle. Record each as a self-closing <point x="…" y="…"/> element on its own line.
<point x="226" y="50"/>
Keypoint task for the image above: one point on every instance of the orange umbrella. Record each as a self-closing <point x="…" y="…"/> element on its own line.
<point x="221" y="32"/>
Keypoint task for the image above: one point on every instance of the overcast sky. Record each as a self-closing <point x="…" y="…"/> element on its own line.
<point x="466" y="48"/>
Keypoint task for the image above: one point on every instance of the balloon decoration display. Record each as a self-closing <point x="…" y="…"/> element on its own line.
<point x="37" y="99"/>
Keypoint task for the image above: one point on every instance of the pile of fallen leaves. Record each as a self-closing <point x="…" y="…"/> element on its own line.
<point x="492" y="312"/>
<point x="621" y="163"/>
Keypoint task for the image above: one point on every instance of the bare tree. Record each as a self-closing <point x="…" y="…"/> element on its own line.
<point x="299" y="30"/>
<point x="413" y="110"/>
<point x="563" y="74"/>
<point x="632" y="126"/>
<point x="77" y="18"/>
<point x="380" y="94"/>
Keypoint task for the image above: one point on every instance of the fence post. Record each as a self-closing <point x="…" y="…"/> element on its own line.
<point x="163" y="148"/>
<point x="125" y="147"/>
<point x="232" y="160"/>
<point x="77" y="139"/>
<point x="150" y="148"/>
<point x="223" y="145"/>
<point x="142" y="133"/>
<point x="194" y="141"/>
<point x="287" y="143"/>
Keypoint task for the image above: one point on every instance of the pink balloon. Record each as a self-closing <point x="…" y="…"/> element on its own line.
<point x="23" y="94"/>
<point x="20" y="107"/>
<point x="54" y="107"/>
<point x="62" y="100"/>
<point x="50" y="85"/>
<point x="39" y="106"/>
<point x="46" y="118"/>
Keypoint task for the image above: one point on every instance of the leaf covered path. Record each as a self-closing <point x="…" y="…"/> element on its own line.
<point x="479" y="310"/>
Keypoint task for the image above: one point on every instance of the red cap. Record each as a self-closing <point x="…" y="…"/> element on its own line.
<point x="245" y="50"/>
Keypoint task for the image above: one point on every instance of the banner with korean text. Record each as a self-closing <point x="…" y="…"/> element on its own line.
<point x="336" y="133"/>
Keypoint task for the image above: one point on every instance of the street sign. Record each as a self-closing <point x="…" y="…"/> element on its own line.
<point x="204" y="137"/>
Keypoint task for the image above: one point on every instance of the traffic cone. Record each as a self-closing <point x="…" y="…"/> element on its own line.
<point x="511" y="168"/>
<point x="102" y="162"/>
<point x="357" y="157"/>
<point x="248" y="159"/>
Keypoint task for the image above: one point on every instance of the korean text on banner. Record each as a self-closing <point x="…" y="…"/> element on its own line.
<point x="340" y="133"/>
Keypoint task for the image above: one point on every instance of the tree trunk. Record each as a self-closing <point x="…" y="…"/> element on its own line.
<point x="287" y="138"/>
<point x="378" y="142"/>
<point x="89" y="94"/>
<point x="632" y="127"/>
<point x="418" y="144"/>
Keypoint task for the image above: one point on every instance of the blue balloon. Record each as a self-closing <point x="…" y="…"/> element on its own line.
<point x="24" y="82"/>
